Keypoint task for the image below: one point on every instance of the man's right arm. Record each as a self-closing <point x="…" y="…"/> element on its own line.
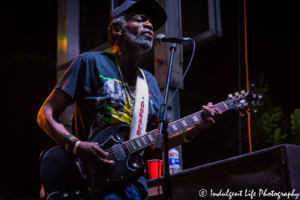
<point x="47" y="119"/>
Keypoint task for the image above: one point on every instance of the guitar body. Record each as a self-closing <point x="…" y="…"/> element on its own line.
<point x="67" y="177"/>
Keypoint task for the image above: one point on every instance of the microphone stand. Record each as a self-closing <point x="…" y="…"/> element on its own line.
<point x="162" y="128"/>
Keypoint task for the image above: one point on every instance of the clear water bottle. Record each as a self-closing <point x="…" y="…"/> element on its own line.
<point x="174" y="161"/>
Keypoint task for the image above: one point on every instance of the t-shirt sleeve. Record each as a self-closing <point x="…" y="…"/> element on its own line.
<point x="69" y="81"/>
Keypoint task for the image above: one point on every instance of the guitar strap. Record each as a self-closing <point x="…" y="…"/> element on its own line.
<point x="140" y="113"/>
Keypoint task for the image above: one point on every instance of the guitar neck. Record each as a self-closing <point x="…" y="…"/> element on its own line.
<point x="147" y="139"/>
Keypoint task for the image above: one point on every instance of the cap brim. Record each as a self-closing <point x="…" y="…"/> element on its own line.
<point x="152" y="8"/>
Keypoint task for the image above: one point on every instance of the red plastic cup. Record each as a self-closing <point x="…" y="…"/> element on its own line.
<point x="152" y="168"/>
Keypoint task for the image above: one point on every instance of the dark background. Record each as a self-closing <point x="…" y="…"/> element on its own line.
<point x="28" y="61"/>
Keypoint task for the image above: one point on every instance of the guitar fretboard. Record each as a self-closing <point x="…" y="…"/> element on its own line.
<point x="147" y="139"/>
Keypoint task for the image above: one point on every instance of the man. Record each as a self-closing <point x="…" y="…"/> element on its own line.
<point x="101" y="86"/>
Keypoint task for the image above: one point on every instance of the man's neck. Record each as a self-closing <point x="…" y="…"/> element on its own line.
<point x="127" y="57"/>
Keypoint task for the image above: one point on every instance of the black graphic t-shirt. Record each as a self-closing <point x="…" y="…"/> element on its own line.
<point x="95" y="86"/>
<point x="96" y="89"/>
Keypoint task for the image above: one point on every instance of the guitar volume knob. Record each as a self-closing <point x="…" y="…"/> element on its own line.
<point x="236" y="94"/>
<point x="230" y="95"/>
<point x="243" y="92"/>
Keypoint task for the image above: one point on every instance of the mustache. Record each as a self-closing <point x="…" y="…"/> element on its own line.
<point x="144" y="37"/>
<point x="140" y="40"/>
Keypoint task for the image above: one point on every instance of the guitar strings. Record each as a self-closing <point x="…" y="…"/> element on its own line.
<point x="139" y="140"/>
<point x="145" y="141"/>
<point x="124" y="147"/>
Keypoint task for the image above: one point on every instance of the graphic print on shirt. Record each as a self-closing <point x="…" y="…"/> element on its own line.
<point x="112" y="105"/>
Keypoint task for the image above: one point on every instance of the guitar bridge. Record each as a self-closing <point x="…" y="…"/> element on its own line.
<point x="118" y="151"/>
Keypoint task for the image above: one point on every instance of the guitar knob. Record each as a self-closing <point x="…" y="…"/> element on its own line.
<point x="248" y="112"/>
<point x="242" y="114"/>
<point x="230" y="95"/>
<point x="243" y="92"/>
<point x="255" y="111"/>
<point x="236" y="94"/>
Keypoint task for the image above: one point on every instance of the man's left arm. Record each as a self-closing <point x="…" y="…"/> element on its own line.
<point x="214" y="116"/>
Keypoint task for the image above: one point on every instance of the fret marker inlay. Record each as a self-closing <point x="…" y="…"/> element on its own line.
<point x="195" y="118"/>
<point x="174" y="127"/>
<point x="150" y="138"/>
<point x="184" y="123"/>
<point x="133" y="145"/>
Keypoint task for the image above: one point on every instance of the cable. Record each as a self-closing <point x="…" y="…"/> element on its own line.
<point x="247" y="74"/>
<point x="194" y="46"/>
<point x="49" y="196"/>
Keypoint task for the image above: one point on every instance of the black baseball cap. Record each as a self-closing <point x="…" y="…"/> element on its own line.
<point x="152" y="8"/>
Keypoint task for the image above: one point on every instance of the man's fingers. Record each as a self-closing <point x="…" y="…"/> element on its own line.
<point x="217" y="110"/>
<point x="110" y="162"/>
<point x="100" y="152"/>
<point x="213" y="116"/>
<point x="212" y="112"/>
<point x="91" y="153"/>
<point x="210" y="120"/>
<point x="104" y="156"/>
<point x="106" y="162"/>
<point x="209" y="111"/>
<point x="210" y="104"/>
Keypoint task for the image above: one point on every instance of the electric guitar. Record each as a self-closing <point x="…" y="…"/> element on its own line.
<point x="65" y="176"/>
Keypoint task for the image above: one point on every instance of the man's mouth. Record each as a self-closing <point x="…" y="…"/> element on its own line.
<point x="148" y="33"/>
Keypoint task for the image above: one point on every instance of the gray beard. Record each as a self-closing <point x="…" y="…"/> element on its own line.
<point x="140" y="41"/>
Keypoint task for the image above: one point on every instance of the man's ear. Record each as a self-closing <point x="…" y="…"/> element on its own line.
<point x="117" y="31"/>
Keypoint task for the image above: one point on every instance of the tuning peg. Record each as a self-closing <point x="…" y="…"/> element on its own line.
<point x="236" y="94"/>
<point x="248" y="112"/>
<point x="230" y="95"/>
<point x="255" y="111"/>
<point x="243" y="92"/>
<point x="242" y="114"/>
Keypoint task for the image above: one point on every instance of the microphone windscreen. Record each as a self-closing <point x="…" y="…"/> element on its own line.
<point x="158" y="39"/>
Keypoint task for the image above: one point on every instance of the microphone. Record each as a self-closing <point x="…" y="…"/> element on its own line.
<point x="161" y="39"/>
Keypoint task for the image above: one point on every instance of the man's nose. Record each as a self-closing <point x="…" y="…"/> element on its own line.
<point x="148" y="24"/>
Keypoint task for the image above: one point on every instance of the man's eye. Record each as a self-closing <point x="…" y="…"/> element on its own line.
<point x="138" y="20"/>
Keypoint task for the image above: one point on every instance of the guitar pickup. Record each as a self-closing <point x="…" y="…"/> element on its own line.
<point x="118" y="152"/>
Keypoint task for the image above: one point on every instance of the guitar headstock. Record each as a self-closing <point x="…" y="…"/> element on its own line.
<point x="244" y="100"/>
